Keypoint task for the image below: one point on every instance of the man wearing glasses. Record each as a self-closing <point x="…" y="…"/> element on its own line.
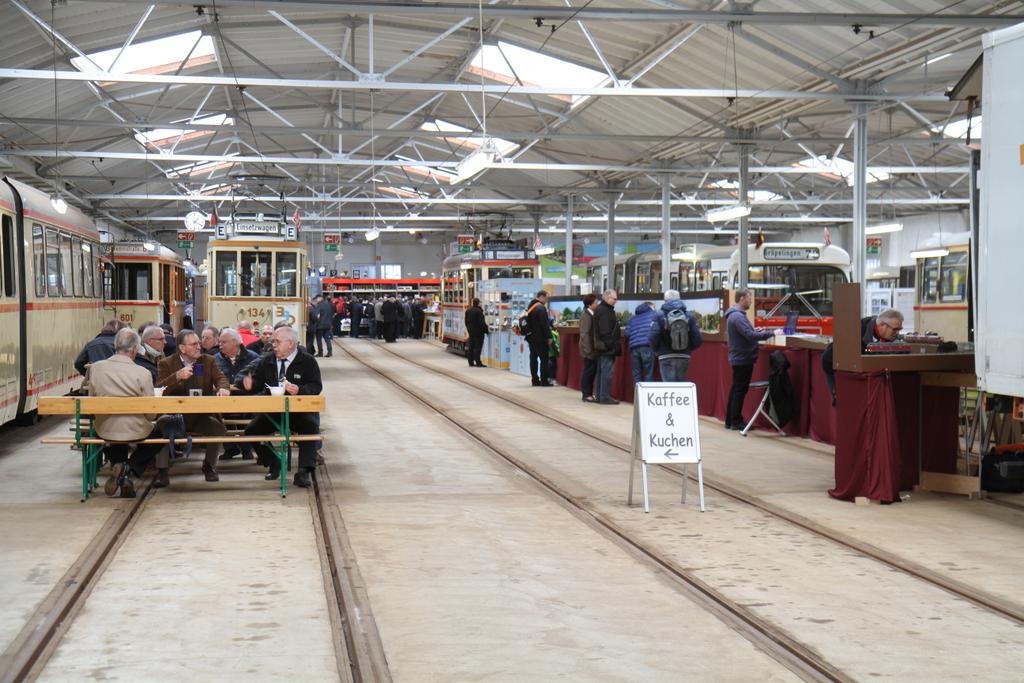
<point x="884" y="327"/>
<point x="299" y="374"/>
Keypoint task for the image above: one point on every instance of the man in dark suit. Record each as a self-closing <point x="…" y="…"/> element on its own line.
<point x="299" y="373"/>
<point x="476" y="328"/>
<point x="390" y="312"/>
<point x="190" y="370"/>
<point x="538" y="336"/>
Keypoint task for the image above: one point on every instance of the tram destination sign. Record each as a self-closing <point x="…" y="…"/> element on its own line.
<point x="792" y="253"/>
<point x="256" y="228"/>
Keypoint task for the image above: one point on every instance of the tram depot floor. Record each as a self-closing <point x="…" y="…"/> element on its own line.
<point x="475" y="571"/>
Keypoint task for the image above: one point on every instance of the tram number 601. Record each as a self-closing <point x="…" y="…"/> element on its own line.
<point x="128" y="318"/>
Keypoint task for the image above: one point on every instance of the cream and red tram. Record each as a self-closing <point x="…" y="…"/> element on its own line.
<point x="256" y="272"/>
<point x="460" y="275"/>
<point x="50" y="296"/>
<point x="143" y="282"/>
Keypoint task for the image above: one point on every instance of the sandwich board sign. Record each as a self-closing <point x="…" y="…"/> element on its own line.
<point x="666" y="431"/>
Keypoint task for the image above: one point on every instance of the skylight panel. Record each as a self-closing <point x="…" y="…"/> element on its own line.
<point x="418" y="169"/>
<point x="958" y="129"/>
<point x="534" y="69"/>
<point x="192" y="169"/>
<point x="162" y="55"/>
<point x="754" y="195"/>
<point x="837" y="168"/>
<point x="505" y="147"/>
<point x="161" y="136"/>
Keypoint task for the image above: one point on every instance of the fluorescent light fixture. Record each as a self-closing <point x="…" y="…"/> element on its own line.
<point x="929" y="253"/>
<point x="938" y="59"/>
<point x="412" y="231"/>
<point x="544" y="251"/>
<point x="372" y="234"/>
<point x="883" y="228"/>
<point x="476" y="161"/>
<point x="58" y="203"/>
<point x="767" y="285"/>
<point x="423" y="273"/>
<point x="727" y="213"/>
<point x="690" y="256"/>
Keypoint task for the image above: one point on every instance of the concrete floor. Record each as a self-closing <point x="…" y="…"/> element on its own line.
<point x="474" y="573"/>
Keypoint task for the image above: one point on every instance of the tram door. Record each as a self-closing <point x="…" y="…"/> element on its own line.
<point x="10" y="337"/>
<point x="166" y="299"/>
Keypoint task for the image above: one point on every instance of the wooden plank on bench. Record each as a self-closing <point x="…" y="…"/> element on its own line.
<point x="95" y="441"/>
<point x="164" y="405"/>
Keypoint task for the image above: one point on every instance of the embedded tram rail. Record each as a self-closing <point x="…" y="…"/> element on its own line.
<point x="994" y="604"/>
<point x="358" y="652"/>
<point x="799" y="658"/>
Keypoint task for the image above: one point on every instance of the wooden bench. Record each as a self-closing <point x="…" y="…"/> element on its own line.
<point x="85" y="438"/>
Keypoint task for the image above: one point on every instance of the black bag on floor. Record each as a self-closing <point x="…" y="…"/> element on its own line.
<point x="1003" y="472"/>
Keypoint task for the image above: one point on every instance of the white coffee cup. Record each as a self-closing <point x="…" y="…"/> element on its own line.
<point x="277" y="391"/>
<point x="158" y="391"/>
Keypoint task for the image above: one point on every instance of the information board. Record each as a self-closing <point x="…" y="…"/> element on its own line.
<point x="668" y="427"/>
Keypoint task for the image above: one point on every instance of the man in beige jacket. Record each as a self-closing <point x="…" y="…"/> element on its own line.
<point x="120" y="376"/>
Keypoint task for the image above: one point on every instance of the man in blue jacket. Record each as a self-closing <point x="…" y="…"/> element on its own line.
<point x="638" y="333"/>
<point x="743" y="339"/>
<point x="674" y="353"/>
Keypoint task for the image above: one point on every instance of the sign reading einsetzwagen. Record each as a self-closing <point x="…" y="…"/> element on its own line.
<point x="666" y="430"/>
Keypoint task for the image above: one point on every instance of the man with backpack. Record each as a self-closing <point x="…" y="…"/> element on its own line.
<point x="638" y="333"/>
<point x="538" y="336"/>
<point x="674" y="335"/>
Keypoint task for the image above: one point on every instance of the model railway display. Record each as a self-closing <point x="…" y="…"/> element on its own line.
<point x="50" y="296"/>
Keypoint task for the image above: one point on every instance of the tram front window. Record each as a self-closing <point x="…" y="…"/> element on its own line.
<point x="227" y="273"/>
<point x="813" y="283"/>
<point x="132" y="282"/>
<point x="255" y="273"/>
<point x="287" y="267"/>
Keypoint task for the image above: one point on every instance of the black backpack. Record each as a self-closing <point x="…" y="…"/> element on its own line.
<point x="677" y="329"/>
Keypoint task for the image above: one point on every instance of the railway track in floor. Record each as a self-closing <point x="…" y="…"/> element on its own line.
<point x="358" y="649"/>
<point x="1012" y="612"/>
<point x="802" y="660"/>
<point x="27" y="655"/>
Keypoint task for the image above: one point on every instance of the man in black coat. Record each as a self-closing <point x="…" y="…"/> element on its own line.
<point x="608" y="344"/>
<point x="418" y="313"/>
<point x="390" y="311"/>
<point x="538" y="336"/>
<point x="299" y="373"/>
<point x="324" y="322"/>
<point x="100" y="347"/>
<point x="476" y="328"/>
<point x="355" y="313"/>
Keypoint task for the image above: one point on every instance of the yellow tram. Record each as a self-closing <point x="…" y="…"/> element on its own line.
<point x="143" y="282"/>
<point x="941" y="284"/>
<point x="256" y="272"/>
<point x="50" y="296"/>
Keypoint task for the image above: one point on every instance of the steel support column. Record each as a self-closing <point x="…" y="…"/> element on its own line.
<point x="570" y="209"/>
<point x="744" y="238"/>
<point x="612" y="199"/>
<point x="666" y="231"/>
<point x="860" y="189"/>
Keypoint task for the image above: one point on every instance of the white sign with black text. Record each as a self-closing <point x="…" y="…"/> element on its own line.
<point x="666" y="430"/>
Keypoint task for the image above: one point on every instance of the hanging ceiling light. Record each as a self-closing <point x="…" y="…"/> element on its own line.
<point x="883" y="228"/>
<point x="544" y="250"/>
<point x="56" y="200"/>
<point x="727" y="213"/>
<point x="371" y="234"/>
<point x="929" y="253"/>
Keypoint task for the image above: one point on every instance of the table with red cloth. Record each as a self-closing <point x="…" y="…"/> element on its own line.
<point x="892" y="427"/>
<point x="710" y="371"/>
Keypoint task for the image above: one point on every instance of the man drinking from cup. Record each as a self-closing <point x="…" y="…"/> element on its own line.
<point x="190" y="372"/>
<point x="292" y="372"/>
